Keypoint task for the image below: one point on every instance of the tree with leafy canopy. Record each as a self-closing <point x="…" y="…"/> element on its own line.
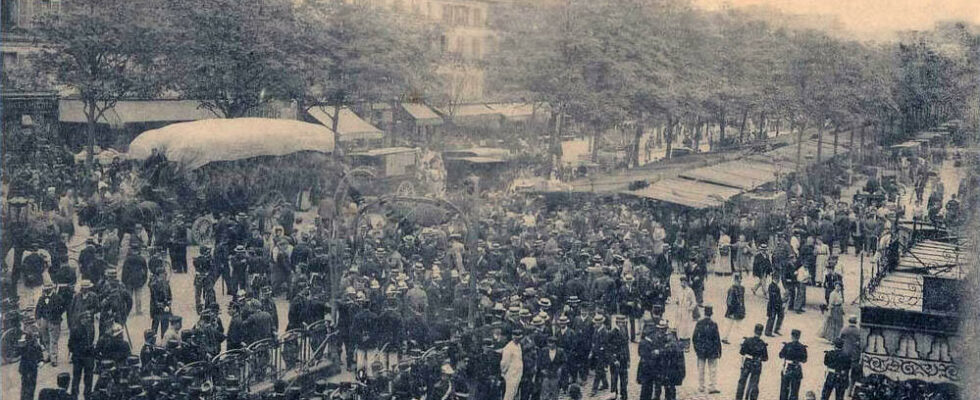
<point x="233" y="56"/>
<point x="103" y="51"/>
<point x="353" y="53"/>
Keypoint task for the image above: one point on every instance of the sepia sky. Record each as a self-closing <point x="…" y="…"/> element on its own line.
<point x="878" y="19"/>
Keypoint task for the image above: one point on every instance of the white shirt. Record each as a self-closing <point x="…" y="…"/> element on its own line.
<point x="511" y="363"/>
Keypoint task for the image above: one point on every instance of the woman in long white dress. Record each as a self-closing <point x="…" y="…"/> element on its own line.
<point x="835" y="317"/>
<point x="686" y="304"/>
<point x="723" y="256"/>
<point x="822" y="252"/>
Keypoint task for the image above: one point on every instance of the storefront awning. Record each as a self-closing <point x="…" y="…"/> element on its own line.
<point x="688" y="193"/>
<point x="351" y="126"/>
<point x="422" y="114"/>
<point x="128" y="112"/>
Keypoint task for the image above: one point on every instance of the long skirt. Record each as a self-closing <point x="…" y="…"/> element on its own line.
<point x="833" y="324"/>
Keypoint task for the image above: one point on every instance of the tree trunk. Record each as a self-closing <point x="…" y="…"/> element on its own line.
<point x="836" y="134"/>
<point x="721" y="128"/>
<point x="595" y="144"/>
<point x="556" y="141"/>
<point x="799" y="147"/>
<point x="851" y="144"/>
<point x="91" y="115"/>
<point x="741" y="128"/>
<point x="668" y="137"/>
<point x="335" y="124"/>
<point x="819" y="142"/>
<point x="635" y="149"/>
<point x="778" y="120"/>
<point x="762" y="125"/>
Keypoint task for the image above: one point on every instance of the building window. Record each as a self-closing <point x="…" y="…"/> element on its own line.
<point x="477" y="17"/>
<point x="8" y="14"/>
<point x="9" y="59"/>
<point x="477" y="46"/>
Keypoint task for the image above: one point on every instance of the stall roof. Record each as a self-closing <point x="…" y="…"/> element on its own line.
<point x="687" y="192"/>
<point x="740" y="174"/>
<point x="902" y="289"/>
<point x="906" y="145"/>
<point x="137" y="111"/>
<point x="514" y="111"/>
<point x="493" y="152"/>
<point x="477" y="160"/>
<point x="351" y="126"/>
<point x="422" y="114"/>
<point x="198" y="143"/>
<point x="384" y="151"/>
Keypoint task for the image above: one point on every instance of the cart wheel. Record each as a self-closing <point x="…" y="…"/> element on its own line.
<point x="202" y="231"/>
<point x="8" y="345"/>
<point x="272" y="199"/>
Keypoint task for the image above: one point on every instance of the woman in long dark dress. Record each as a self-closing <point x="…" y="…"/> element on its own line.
<point x="735" y="306"/>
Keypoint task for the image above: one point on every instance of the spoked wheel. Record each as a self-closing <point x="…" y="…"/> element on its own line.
<point x="406" y="189"/>
<point x="272" y="199"/>
<point x="202" y="231"/>
<point x="8" y="345"/>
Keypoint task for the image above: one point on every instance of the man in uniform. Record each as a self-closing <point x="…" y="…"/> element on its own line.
<point x="134" y="276"/>
<point x="59" y="393"/>
<point x="618" y="345"/>
<point x="794" y="354"/>
<point x="268" y="305"/>
<point x="774" y="308"/>
<point x="647" y="368"/>
<point x="755" y="352"/>
<point x="838" y="365"/>
<point x="30" y="356"/>
<point x="204" y="279"/>
<point x="160" y="298"/>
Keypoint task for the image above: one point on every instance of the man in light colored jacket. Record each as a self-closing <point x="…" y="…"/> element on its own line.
<point x="511" y="365"/>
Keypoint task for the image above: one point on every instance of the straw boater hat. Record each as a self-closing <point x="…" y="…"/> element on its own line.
<point x="599" y="318"/>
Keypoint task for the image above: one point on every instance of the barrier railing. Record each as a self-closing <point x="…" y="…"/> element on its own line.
<point x="284" y="357"/>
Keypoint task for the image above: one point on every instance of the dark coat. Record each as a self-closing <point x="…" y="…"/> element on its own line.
<point x="735" y="303"/>
<point x="673" y="369"/>
<point x="548" y="367"/>
<point x="706" y="339"/>
<point x="134" y="272"/>
<point x="775" y="305"/>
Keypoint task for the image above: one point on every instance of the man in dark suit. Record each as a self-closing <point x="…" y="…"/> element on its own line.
<point x="774" y="309"/>
<point x="707" y="346"/>
<point x="551" y="364"/>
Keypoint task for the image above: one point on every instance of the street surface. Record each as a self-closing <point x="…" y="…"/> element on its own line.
<point x="716" y="287"/>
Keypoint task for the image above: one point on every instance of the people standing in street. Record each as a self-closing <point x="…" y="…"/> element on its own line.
<point x="793" y="355"/>
<point x="551" y="362"/>
<point x="649" y="353"/>
<point x="81" y="348"/>
<point x="735" y="306"/>
<point x="619" y="366"/>
<point x="774" y="309"/>
<point x="512" y="365"/>
<point x="761" y="268"/>
<point x="754" y="352"/>
<point x="687" y="305"/>
<point x="707" y="346"/>
<point x="48" y="312"/>
<point x="160" y="301"/>
<point x="851" y="335"/>
<point x="822" y="252"/>
<point x="134" y="276"/>
<point x="673" y="366"/>
<point x="599" y="354"/>
<point x="835" y="317"/>
<point x="838" y="364"/>
<point x="31" y="355"/>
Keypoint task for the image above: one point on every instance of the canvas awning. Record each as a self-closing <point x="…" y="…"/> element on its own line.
<point x="688" y="193"/>
<point x="351" y="126"/>
<point x="422" y="114"/>
<point x="741" y="174"/>
<point x="469" y="113"/>
<point x="126" y="112"/>
<point x="195" y="144"/>
<point x="514" y="111"/>
<point x="911" y="144"/>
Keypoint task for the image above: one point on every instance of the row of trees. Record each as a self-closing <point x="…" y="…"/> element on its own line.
<point x="664" y="64"/>
<point x="233" y="56"/>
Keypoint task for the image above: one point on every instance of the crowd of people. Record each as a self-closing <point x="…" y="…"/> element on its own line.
<point x="545" y="299"/>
